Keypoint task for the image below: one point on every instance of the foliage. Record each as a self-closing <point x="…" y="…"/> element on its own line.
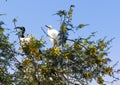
<point x="6" y="55"/>
<point x="75" y="60"/>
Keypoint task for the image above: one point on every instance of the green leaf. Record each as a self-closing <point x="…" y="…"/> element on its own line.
<point x="82" y="25"/>
<point x="14" y="20"/>
<point x="61" y="13"/>
<point x="1" y="30"/>
<point x="1" y="23"/>
<point x="2" y="14"/>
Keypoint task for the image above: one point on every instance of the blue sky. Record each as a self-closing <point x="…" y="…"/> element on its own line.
<point x="102" y="15"/>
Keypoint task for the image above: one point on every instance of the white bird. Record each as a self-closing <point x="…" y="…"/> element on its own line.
<point x="53" y="34"/>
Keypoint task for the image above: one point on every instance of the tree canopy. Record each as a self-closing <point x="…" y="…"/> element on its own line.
<point x="74" y="60"/>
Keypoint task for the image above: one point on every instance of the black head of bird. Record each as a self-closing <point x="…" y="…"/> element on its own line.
<point x="22" y="30"/>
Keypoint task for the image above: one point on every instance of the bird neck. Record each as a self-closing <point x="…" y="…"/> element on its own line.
<point x="49" y="28"/>
<point x="22" y="36"/>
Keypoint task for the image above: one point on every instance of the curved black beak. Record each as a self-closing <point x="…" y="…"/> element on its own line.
<point x="17" y="28"/>
<point x="21" y="28"/>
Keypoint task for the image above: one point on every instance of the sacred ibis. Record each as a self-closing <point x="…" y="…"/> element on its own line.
<point x="23" y="39"/>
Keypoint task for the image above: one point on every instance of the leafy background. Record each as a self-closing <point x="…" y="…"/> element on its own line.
<point x="103" y="17"/>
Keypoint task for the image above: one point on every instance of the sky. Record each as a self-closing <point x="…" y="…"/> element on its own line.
<point x="102" y="15"/>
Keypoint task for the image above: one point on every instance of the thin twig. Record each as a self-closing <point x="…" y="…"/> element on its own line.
<point x="14" y="22"/>
<point x="12" y="68"/>
<point x="67" y="79"/>
<point x="45" y="32"/>
<point x="77" y="43"/>
<point x="115" y="64"/>
<point x="15" y="57"/>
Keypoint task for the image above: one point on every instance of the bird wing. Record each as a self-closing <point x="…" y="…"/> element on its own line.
<point x="25" y="40"/>
<point x="54" y="38"/>
<point x="54" y="33"/>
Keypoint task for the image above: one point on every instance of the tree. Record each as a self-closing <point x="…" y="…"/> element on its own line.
<point x="75" y="60"/>
<point x="6" y="54"/>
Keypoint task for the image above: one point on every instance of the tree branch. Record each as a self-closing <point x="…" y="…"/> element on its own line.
<point x="77" y="43"/>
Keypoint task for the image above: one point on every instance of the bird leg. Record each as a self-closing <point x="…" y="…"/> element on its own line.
<point x="56" y="43"/>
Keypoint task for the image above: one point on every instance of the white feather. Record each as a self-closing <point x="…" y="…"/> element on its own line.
<point x="25" y="40"/>
<point x="53" y="34"/>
